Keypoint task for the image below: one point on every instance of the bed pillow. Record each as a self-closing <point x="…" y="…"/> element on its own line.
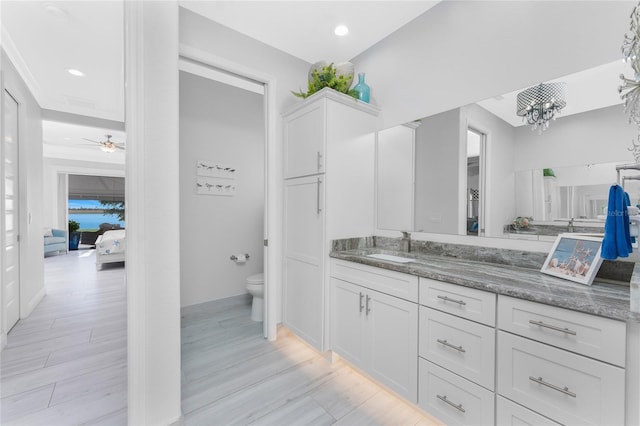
<point x="48" y="232"/>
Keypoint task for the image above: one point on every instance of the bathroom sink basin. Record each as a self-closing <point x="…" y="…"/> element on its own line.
<point x="391" y="258"/>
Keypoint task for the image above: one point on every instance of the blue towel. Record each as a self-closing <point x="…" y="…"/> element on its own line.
<point x="617" y="240"/>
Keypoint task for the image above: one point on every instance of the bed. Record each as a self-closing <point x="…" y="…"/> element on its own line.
<point x="110" y="247"/>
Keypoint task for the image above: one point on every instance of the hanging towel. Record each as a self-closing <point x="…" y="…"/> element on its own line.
<point x="617" y="240"/>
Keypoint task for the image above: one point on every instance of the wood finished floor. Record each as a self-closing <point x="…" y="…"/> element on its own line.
<point x="66" y="364"/>
<point x="232" y="376"/>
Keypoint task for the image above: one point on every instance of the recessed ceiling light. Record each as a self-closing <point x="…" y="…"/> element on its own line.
<point x="75" y="72"/>
<point x="341" y="30"/>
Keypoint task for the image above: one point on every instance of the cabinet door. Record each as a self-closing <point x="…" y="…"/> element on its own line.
<point x="348" y="320"/>
<point x="392" y="329"/>
<point x="304" y="268"/>
<point x="304" y="141"/>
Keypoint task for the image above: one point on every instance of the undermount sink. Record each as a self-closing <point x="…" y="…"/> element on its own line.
<point x="391" y="258"/>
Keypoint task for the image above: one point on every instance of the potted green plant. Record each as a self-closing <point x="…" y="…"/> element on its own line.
<point x="74" y="235"/>
<point x="326" y="75"/>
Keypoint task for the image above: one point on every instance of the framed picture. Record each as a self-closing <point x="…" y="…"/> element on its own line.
<point x="574" y="257"/>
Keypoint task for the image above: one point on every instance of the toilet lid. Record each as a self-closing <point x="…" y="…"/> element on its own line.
<point x="256" y="279"/>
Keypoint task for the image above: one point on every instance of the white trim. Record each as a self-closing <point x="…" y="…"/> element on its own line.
<point x="202" y="70"/>
<point x="33" y="303"/>
<point x="134" y="184"/>
<point x="337" y="97"/>
<point x="273" y="193"/>
<point x="21" y="66"/>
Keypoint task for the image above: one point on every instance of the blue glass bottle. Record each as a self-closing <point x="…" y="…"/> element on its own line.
<point x="362" y="88"/>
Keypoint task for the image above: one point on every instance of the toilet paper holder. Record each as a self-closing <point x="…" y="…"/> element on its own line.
<point x="235" y="258"/>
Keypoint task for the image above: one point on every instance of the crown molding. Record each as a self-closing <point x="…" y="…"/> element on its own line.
<point x="21" y="66"/>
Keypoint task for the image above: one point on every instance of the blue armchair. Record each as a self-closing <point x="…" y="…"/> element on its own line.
<point x="54" y="241"/>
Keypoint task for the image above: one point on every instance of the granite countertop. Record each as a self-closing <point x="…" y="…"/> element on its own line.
<point x="602" y="299"/>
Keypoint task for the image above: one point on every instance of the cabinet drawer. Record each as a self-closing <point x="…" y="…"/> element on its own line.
<point x="462" y="346"/>
<point x="452" y="399"/>
<point x="476" y="305"/>
<point x="596" y="337"/>
<point x="567" y="388"/>
<point x="511" y="414"/>
<point x="394" y="283"/>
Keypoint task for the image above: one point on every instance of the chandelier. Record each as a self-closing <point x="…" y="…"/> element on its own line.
<point x="631" y="53"/>
<point x="538" y="105"/>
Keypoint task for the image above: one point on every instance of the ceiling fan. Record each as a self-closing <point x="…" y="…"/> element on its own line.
<point x="108" y="145"/>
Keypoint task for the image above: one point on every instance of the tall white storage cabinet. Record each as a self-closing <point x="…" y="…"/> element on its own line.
<point x="329" y="143"/>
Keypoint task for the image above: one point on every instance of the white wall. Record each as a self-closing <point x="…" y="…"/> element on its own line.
<point x="287" y="72"/>
<point x="395" y="176"/>
<point x="153" y="218"/>
<point x="437" y="177"/>
<point x="599" y="136"/>
<point x="30" y="184"/>
<point x="224" y="124"/>
<point x="461" y="52"/>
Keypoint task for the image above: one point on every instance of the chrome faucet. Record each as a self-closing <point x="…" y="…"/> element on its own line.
<point x="405" y="243"/>
<point x="571" y="227"/>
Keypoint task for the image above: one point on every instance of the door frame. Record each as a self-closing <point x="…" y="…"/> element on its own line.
<point x="273" y="192"/>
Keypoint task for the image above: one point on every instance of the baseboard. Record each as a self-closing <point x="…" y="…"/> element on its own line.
<point x="35" y="300"/>
<point x="242" y="297"/>
<point x="178" y="422"/>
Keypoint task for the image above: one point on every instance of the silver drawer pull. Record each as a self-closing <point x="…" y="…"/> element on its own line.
<point x="552" y="327"/>
<point x="448" y="299"/>
<point x="456" y="406"/>
<point x="564" y="390"/>
<point x="361" y="305"/>
<point x="457" y="348"/>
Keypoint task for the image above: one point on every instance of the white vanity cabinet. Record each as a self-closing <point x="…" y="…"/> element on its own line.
<point x="562" y="364"/>
<point x="375" y="331"/>
<point x="457" y="353"/>
<point x="329" y="144"/>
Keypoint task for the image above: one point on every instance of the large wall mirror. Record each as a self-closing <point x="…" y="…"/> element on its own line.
<point x="474" y="169"/>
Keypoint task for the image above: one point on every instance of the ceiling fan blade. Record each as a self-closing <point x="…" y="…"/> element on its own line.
<point x="91" y="140"/>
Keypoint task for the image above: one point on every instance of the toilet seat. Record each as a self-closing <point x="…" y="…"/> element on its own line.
<point x="256" y="279"/>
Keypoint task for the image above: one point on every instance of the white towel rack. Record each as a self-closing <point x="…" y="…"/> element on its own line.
<point x="622" y="179"/>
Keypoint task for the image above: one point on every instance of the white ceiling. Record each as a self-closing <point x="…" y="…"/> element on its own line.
<point x="67" y="141"/>
<point x="305" y="28"/>
<point x="45" y="38"/>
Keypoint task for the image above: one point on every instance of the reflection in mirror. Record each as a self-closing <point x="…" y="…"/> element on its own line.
<point x="474" y="190"/>
<point x="592" y="130"/>
<point x="577" y="192"/>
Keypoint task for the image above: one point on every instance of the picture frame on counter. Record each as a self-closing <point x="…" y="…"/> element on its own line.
<point x="574" y="257"/>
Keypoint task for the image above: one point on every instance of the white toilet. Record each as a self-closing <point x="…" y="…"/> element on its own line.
<point x="255" y="287"/>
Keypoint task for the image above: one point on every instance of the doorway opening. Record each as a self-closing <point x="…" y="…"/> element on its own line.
<point x="475" y="182"/>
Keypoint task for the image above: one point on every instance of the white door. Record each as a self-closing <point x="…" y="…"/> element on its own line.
<point x="304" y="136"/>
<point x="304" y="261"/>
<point x="11" y="264"/>
<point x="348" y="336"/>
<point x="392" y="327"/>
